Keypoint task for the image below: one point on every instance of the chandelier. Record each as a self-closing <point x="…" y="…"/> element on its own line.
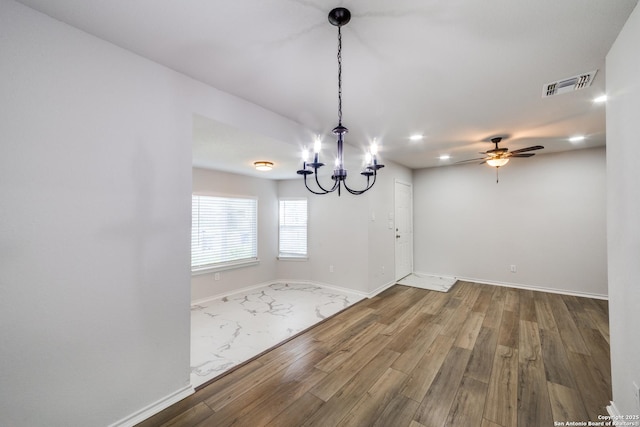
<point x="339" y="17"/>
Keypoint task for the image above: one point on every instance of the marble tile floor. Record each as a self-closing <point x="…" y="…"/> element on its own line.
<point x="428" y="281"/>
<point x="231" y="330"/>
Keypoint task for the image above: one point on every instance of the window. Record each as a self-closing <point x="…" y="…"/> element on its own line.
<point x="293" y="228"/>
<point x="224" y="232"/>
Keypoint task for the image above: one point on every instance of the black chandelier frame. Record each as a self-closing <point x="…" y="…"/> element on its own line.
<point x="338" y="17"/>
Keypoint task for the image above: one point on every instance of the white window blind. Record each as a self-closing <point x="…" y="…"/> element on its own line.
<point x="223" y="231"/>
<point x="293" y="228"/>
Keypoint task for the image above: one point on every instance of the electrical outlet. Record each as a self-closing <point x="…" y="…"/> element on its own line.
<point x="331" y="269"/>
<point x="513" y="268"/>
<point x="383" y="270"/>
<point x="216" y="276"/>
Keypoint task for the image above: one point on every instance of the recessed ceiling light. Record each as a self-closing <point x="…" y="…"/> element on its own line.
<point x="445" y="157"/>
<point x="263" y="166"/>
<point x="576" y="138"/>
<point x="416" y="137"/>
<point x="600" y="99"/>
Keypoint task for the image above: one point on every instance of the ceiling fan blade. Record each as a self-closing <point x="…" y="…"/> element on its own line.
<point x="470" y="160"/>
<point x="523" y="150"/>
<point x="523" y="155"/>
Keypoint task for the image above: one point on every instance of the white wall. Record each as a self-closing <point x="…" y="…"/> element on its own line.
<point x="215" y="183"/>
<point x="342" y="234"/>
<point x="94" y="180"/>
<point x="382" y="238"/>
<point x="546" y="216"/>
<point x="95" y="183"/>
<point x="623" y="212"/>
<point x="337" y="236"/>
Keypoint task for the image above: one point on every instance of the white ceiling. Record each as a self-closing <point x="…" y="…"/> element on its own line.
<point x="457" y="71"/>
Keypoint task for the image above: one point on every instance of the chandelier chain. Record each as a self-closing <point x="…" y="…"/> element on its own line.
<point x="339" y="77"/>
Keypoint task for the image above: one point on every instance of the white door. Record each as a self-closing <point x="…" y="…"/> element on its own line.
<point x="404" y="229"/>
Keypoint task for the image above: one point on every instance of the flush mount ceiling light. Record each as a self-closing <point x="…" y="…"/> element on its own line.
<point x="339" y="17"/>
<point x="416" y="137"/>
<point x="263" y="165"/>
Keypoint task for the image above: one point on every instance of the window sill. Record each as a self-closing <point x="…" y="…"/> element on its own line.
<point x="223" y="267"/>
<point x="293" y="258"/>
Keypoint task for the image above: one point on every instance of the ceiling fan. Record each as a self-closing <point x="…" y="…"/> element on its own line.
<point x="498" y="157"/>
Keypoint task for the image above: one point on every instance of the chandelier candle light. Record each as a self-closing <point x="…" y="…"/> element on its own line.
<point x="339" y="17"/>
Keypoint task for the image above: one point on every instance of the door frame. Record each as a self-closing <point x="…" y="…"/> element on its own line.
<point x="397" y="262"/>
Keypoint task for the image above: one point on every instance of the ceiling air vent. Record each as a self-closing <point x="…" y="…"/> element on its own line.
<point x="569" y="84"/>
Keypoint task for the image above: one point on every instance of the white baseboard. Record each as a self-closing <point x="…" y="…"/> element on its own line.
<point x="154" y="408"/>
<point x="381" y="289"/>
<point x="340" y="288"/>
<point x="535" y="288"/>
<point x="613" y="411"/>
<point x="204" y="301"/>
<point x="325" y="286"/>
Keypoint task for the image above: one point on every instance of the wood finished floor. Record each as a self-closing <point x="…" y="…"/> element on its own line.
<point x="477" y="356"/>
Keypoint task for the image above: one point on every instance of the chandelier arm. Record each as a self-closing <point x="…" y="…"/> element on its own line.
<point x="359" y="192"/>
<point x="313" y="191"/>
<point x="322" y="189"/>
<point x="335" y="185"/>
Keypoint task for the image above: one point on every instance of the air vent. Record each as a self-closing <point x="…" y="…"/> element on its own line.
<point x="569" y="84"/>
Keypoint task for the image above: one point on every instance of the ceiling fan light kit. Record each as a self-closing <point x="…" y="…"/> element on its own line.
<point x="338" y="17"/>
<point x="498" y="157"/>
<point x="497" y="162"/>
